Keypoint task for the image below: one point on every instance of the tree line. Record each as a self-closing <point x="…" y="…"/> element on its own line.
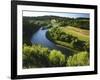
<point x="62" y="21"/>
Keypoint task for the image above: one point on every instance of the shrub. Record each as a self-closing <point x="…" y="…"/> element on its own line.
<point x="79" y="45"/>
<point x="79" y="59"/>
<point x="27" y="58"/>
<point x="56" y="58"/>
<point x="35" y="56"/>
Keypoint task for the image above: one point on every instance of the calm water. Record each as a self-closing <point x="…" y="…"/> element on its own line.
<point x="40" y="38"/>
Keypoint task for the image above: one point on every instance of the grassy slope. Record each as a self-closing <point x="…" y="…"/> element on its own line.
<point x="81" y="34"/>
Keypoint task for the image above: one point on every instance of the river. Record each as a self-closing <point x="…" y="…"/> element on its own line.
<point x="39" y="37"/>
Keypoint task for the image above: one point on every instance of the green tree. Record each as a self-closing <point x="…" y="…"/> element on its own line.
<point x="35" y="56"/>
<point x="79" y="59"/>
<point x="79" y="45"/>
<point x="56" y="58"/>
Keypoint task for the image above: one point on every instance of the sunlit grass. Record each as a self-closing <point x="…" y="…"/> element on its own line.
<point x="81" y="34"/>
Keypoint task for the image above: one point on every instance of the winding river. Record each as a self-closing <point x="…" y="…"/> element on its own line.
<point x="40" y="38"/>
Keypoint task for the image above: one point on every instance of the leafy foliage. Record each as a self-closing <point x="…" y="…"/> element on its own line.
<point x="56" y="58"/>
<point x="79" y="59"/>
<point x="35" y="55"/>
<point x="39" y="56"/>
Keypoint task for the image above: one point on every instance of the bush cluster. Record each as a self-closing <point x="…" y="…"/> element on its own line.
<point x="79" y="59"/>
<point x="38" y="56"/>
<point x="56" y="58"/>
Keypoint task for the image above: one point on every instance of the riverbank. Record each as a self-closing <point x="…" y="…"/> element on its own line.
<point x="28" y="31"/>
<point x="75" y="39"/>
<point x="60" y="43"/>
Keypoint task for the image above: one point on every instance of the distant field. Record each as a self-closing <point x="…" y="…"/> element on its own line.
<point x="81" y="34"/>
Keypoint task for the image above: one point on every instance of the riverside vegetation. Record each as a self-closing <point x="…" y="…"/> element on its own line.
<point x="72" y="33"/>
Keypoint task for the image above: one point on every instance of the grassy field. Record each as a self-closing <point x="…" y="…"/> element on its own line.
<point x="66" y="45"/>
<point x="81" y="34"/>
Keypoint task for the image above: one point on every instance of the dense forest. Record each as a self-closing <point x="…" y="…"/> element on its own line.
<point x="71" y="33"/>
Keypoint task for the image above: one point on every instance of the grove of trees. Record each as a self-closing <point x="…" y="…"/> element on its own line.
<point x="39" y="56"/>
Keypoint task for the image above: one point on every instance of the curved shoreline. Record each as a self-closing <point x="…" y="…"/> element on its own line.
<point x="56" y="43"/>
